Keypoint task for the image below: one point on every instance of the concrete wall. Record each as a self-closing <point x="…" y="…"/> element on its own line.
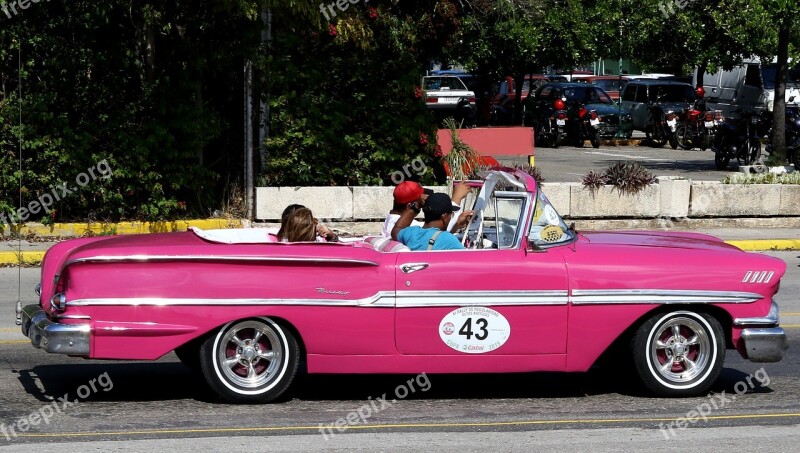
<point x="669" y="198"/>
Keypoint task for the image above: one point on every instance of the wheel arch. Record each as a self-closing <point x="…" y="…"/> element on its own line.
<point x="622" y="342"/>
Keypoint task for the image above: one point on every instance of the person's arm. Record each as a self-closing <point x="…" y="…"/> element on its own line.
<point x="405" y="219"/>
<point x="459" y="193"/>
<point x="327" y="233"/>
<point x="461" y="222"/>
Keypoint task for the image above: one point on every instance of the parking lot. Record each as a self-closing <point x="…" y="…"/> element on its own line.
<point x="569" y="164"/>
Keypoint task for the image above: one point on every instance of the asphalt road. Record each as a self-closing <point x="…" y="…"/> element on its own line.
<point x="162" y="406"/>
<point x="569" y="164"/>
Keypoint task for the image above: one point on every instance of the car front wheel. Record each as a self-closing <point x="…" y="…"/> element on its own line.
<point x="250" y="361"/>
<point x="679" y="353"/>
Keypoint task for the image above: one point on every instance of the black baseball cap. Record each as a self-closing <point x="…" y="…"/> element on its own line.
<point x="438" y="204"/>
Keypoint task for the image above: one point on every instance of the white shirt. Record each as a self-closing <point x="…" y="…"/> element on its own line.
<point x="388" y="224"/>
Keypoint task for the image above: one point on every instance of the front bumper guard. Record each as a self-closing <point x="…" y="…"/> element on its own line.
<point x="762" y="339"/>
<point x="54" y="337"/>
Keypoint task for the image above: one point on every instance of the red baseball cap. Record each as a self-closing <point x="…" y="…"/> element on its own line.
<point x="408" y="191"/>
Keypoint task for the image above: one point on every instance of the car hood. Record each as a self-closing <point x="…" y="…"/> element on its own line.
<point x="696" y="241"/>
<point x="605" y="109"/>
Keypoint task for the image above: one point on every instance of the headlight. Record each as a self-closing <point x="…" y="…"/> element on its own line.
<point x="59" y="301"/>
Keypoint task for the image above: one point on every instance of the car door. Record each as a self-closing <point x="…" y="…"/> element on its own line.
<point x="504" y="300"/>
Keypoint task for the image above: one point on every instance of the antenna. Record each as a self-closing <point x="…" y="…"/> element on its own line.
<point x="19" y="226"/>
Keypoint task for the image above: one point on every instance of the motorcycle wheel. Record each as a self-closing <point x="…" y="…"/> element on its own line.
<point x="684" y="137"/>
<point x="673" y="140"/>
<point x="753" y="151"/>
<point x="595" y="140"/>
<point x="556" y="139"/>
<point x="657" y="143"/>
<point x="794" y="157"/>
<point x="721" y="161"/>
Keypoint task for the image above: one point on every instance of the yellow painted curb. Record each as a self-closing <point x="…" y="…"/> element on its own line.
<point x="101" y="228"/>
<point x="766" y="244"/>
<point x="28" y="258"/>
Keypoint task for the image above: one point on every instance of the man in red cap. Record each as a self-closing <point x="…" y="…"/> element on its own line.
<point x="406" y="192"/>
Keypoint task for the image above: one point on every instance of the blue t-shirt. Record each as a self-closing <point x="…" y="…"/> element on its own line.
<point x="416" y="238"/>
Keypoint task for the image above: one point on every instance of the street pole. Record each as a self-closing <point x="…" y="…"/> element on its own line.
<point x="248" y="137"/>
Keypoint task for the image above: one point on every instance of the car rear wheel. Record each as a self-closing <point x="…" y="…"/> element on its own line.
<point x="679" y="353"/>
<point x="250" y="361"/>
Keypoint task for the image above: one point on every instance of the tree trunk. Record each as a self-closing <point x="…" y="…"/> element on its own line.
<point x="778" y="156"/>
<point x="701" y="72"/>
<point x="519" y="78"/>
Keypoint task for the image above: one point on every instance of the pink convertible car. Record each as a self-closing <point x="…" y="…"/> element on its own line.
<point x="528" y="293"/>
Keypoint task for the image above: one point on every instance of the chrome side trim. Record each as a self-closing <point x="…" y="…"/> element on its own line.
<point x="772" y="319"/>
<point x="404" y="299"/>
<point x="660" y="296"/>
<point x="409" y="299"/>
<point x="268" y="259"/>
<point x="381" y="299"/>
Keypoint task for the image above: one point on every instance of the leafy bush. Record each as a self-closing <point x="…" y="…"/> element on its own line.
<point x="628" y="177"/>
<point x="762" y="178"/>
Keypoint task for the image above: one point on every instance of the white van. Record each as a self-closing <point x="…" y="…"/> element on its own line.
<point x="741" y="87"/>
<point x="769" y="74"/>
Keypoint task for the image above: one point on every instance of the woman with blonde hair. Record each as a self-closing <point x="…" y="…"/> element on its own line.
<point x="301" y="226"/>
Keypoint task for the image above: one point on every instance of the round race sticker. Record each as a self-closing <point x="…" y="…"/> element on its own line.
<point x="474" y="330"/>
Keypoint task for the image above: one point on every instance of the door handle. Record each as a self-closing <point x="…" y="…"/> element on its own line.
<point x="413" y="267"/>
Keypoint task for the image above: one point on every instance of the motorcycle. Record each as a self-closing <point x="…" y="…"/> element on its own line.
<point x="661" y="126"/>
<point x="740" y="139"/>
<point x="698" y="125"/>
<point x="553" y="127"/>
<point x="582" y="125"/>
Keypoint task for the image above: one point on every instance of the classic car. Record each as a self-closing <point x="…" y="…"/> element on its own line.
<point x="449" y="96"/>
<point x="528" y="293"/>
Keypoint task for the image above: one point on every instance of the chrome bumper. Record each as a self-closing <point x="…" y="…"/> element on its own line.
<point x="765" y="344"/>
<point x="53" y="337"/>
<point x="762" y="339"/>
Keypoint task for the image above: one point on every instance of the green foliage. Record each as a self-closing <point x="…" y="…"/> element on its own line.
<point x="344" y="104"/>
<point x="628" y="177"/>
<point x="762" y="178"/>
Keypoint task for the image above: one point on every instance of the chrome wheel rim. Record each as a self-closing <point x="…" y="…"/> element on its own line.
<point x="250" y="354"/>
<point x="680" y="350"/>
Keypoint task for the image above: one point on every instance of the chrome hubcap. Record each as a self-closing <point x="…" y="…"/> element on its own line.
<point x="680" y="349"/>
<point x="250" y="354"/>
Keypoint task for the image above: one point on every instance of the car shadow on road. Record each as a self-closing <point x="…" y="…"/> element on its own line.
<point x="165" y="380"/>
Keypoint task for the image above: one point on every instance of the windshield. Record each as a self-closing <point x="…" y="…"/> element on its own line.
<point x="442" y="83"/>
<point x="768" y="74"/>
<point x="608" y="84"/>
<point x="547" y="227"/>
<point x="586" y="95"/>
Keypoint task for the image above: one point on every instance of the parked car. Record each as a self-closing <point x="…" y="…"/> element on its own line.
<point x="528" y="293"/>
<point x="540" y="107"/>
<point x="639" y="96"/>
<point x="448" y="96"/>
<point x="502" y="103"/>
<point x="612" y="85"/>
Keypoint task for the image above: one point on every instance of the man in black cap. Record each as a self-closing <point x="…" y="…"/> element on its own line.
<point x="433" y="235"/>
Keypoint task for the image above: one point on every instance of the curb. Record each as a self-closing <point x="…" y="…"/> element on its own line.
<point x="34" y="257"/>
<point x="100" y="228"/>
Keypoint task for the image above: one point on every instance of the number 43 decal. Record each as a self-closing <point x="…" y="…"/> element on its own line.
<point x="474" y="330"/>
<point x="480" y="323"/>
